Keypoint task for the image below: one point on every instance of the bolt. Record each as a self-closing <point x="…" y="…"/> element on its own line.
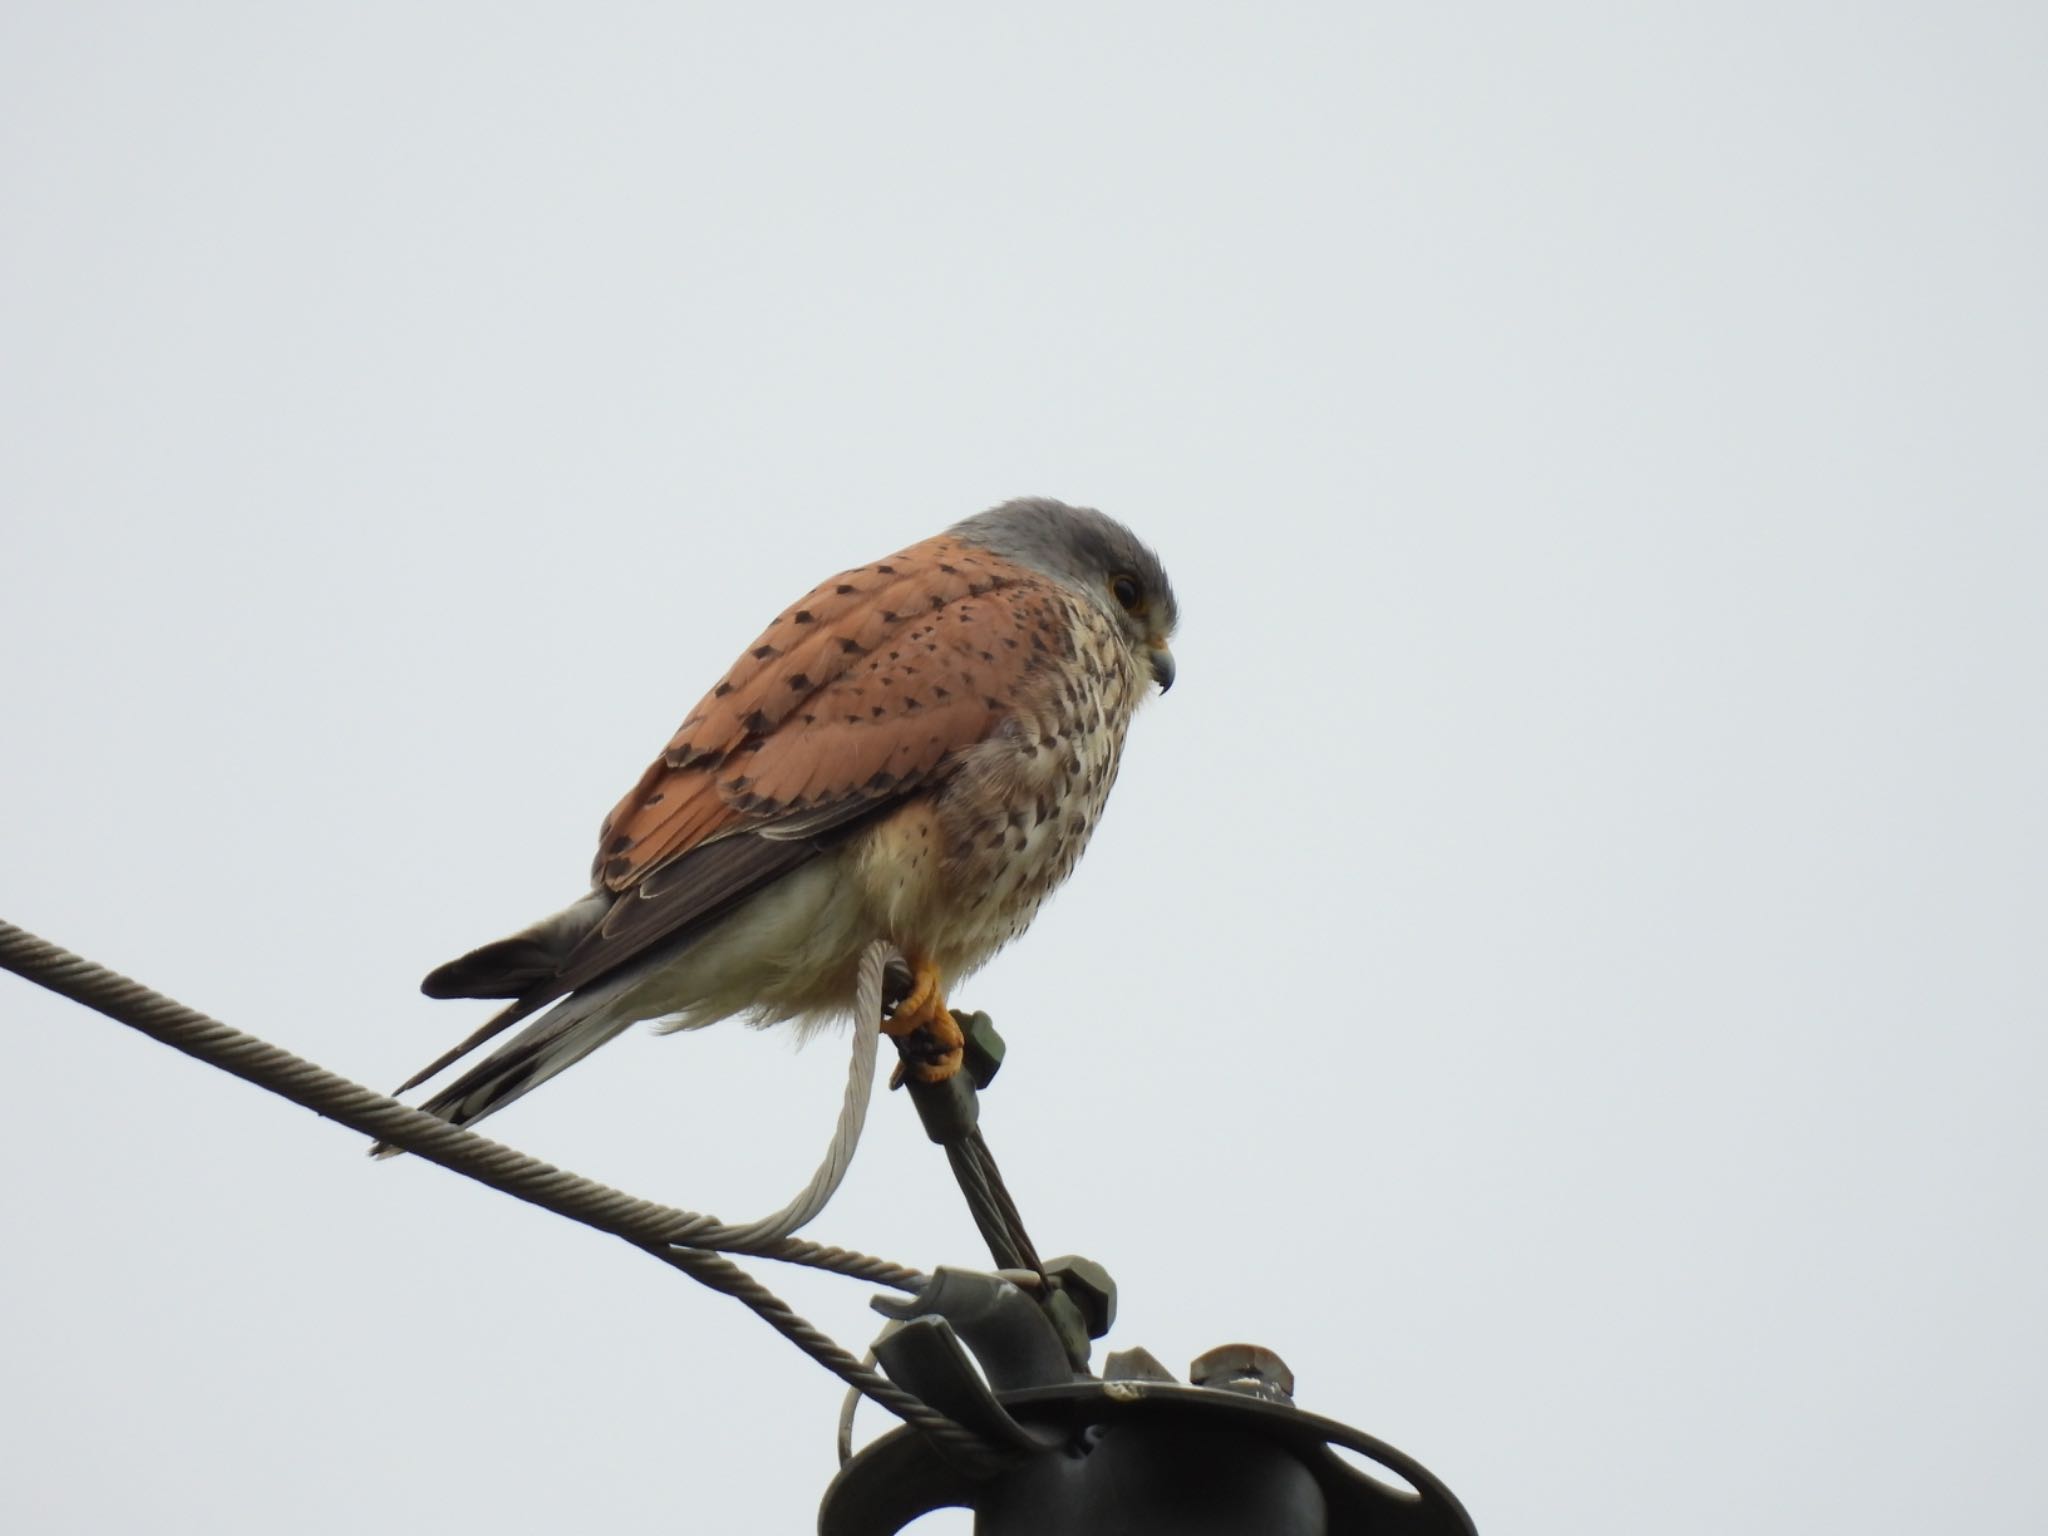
<point x="1088" y="1283"/>
<point x="1248" y="1368"/>
<point x="982" y="1048"/>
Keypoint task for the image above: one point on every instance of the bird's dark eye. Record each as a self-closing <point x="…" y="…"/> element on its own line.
<point x="1127" y="592"/>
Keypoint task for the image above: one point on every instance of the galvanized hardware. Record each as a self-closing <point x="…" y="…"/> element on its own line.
<point x="1014" y="1343"/>
<point x="1135" y="1454"/>
<point x="1089" y="1284"/>
<point x="1247" y="1368"/>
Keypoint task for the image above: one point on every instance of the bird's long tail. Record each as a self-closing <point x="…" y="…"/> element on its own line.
<point x="552" y="1043"/>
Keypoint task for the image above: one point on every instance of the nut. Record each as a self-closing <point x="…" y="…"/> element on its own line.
<point x="982" y="1047"/>
<point x="1249" y="1368"/>
<point x="1088" y="1283"/>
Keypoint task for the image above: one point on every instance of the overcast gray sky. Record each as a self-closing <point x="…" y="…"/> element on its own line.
<point x="1564" y="967"/>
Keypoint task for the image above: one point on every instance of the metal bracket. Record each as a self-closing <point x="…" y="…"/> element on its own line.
<point x="1010" y="1335"/>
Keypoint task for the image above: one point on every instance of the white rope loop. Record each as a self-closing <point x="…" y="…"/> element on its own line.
<point x="853" y="1111"/>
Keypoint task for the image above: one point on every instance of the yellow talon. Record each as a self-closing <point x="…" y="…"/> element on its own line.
<point x="923" y="1011"/>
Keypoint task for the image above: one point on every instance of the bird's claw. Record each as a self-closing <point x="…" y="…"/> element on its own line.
<point x="925" y="1031"/>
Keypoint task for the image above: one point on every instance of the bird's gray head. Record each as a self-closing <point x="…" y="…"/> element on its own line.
<point x="1098" y="557"/>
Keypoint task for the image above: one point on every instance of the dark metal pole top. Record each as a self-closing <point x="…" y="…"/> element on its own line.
<point x="1134" y="1453"/>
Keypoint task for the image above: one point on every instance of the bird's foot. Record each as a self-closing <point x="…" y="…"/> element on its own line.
<point x="924" y="1029"/>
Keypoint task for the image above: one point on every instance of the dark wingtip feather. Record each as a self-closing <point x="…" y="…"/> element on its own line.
<point x="496" y="1024"/>
<point x="505" y="968"/>
<point x="532" y="957"/>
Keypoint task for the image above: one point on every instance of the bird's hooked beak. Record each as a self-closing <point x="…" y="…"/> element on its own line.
<point x="1162" y="666"/>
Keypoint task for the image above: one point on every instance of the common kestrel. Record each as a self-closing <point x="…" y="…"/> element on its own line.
<point x="917" y="750"/>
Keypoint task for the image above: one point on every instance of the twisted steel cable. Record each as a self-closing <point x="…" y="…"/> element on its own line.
<point x="685" y="1239"/>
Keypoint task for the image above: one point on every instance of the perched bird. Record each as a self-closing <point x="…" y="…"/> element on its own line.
<point x="916" y="750"/>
